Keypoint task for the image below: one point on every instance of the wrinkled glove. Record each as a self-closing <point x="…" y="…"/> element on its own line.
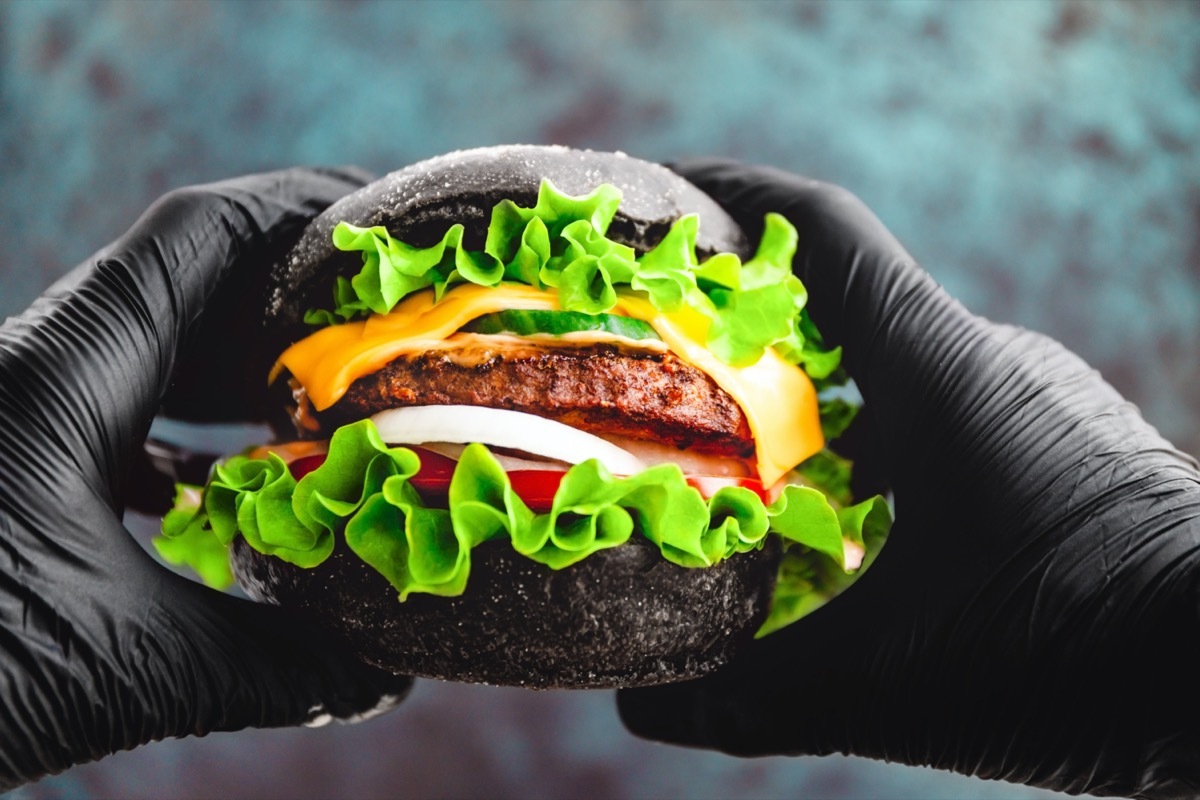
<point x="1034" y="614"/>
<point x="101" y="649"/>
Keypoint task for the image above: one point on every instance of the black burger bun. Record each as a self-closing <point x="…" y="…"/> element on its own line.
<point x="419" y="203"/>
<point x="622" y="617"/>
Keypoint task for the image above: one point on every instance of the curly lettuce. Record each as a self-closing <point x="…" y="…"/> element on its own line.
<point x="560" y="245"/>
<point x="363" y="494"/>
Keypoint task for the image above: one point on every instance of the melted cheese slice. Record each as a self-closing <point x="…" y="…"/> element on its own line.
<point x="778" y="398"/>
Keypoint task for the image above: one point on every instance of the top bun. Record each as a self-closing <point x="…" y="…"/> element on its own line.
<point x="419" y="203"/>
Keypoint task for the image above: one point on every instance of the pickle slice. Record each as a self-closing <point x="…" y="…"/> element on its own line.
<point x="557" y="323"/>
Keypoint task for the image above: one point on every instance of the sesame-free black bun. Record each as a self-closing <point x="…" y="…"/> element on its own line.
<point x="621" y="617"/>
<point x="419" y="203"/>
<point x="624" y="616"/>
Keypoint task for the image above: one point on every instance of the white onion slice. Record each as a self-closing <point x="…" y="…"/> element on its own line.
<point x="502" y="428"/>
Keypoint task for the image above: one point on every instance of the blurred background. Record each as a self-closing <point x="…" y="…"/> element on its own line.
<point x="1040" y="159"/>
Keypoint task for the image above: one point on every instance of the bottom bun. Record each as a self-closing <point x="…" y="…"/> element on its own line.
<point x="622" y="617"/>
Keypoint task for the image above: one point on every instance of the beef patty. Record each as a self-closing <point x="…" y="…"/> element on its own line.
<point x="598" y="388"/>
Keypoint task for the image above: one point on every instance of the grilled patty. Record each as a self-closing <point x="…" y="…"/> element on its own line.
<point x="598" y="388"/>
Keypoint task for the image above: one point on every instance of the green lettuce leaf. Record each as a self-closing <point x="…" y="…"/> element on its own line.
<point x="188" y="542"/>
<point x="669" y="273"/>
<point x="560" y="244"/>
<point x="807" y="580"/>
<point x="429" y="556"/>
<point x="358" y="464"/>
<point x="583" y="519"/>
<point x="829" y="473"/>
<point x="836" y="414"/>
<point x="254" y="498"/>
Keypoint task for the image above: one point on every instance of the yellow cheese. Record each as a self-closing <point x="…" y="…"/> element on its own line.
<point x="778" y="399"/>
<point x="328" y="361"/>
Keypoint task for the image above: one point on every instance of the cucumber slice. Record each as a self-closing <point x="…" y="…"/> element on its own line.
<point x="557" y="323"/>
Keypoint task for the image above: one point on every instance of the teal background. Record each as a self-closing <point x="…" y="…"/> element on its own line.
<point x="1040" y="159"/>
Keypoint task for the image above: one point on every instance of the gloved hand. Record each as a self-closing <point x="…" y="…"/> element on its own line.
<point x="1034" y="614"/>
<point x="101" y="649"/>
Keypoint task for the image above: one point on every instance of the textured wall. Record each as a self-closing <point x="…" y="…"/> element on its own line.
<point x="1041" y="159"/>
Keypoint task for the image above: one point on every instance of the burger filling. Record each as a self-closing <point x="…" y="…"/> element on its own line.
<point x="558" y="390"/>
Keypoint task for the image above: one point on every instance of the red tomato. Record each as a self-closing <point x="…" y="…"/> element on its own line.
<point x="434" y="466"/>
<point x="432" y="481"/>
<point x="536" y="487"/>
<point x="302" y="466"/>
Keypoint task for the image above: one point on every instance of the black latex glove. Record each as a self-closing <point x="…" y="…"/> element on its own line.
<point x="101" y="649"/>
<point x="1034" y="614"/>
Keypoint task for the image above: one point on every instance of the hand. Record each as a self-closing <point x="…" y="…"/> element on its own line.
<point x="1034" y="614"/>
<point x="101" y="649"/>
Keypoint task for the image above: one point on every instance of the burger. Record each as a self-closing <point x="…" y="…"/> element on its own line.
<point x="552" y="421"/>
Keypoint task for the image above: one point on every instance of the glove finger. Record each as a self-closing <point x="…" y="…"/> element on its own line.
<point x="801" y="690"/>
<point x="106" y="650"/>
<point x="91" y="358"/>
<point x="252" y="665"/>
<point x="353" y="176"/>
<point x="223" y="363"/>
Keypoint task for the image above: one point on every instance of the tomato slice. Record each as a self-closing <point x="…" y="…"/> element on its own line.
<point x="536" y="487"/>
<point x="434" y="466"/>
<point x="302" y="466"/>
